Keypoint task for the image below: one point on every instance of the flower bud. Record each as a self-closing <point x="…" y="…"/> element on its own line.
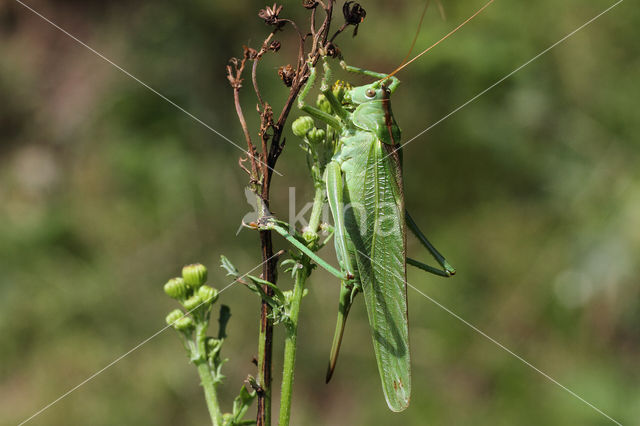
<point x="316" y="135"/>
<point x="212" y="346"/>
<point x="302" y="125"/>
<point x="176" y="288"/>
<point x="207" y="294"/>
<point x="174" y="316"/>
<point x="339" y="89"/>
<point x="194" y="275"/>
<point x="324" y="104"/>
<point x="310" y="236"/>
<point x="184" y="324"/>
<point x="192" y="302"/>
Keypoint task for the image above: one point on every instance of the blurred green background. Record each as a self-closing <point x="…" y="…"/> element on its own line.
<point x="532" y="192"/>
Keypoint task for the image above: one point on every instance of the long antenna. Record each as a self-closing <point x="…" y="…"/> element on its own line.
<point x="442" y="39"/>
<point x="415" y="37"/>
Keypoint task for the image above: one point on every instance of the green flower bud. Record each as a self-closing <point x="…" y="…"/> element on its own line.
<point x="195" y="275"/>
<point x="316" y="136"/>
<point x="302" y="125"/>
<point x="184" y="324"/>
<point x="212" y="346"/>
<point x="174" y="316"/>
<point x="310" y="236"/>
<point x="207" y="294"/>
<point x="192" y="302"/>
<point x="339" y="89"/>
<point x="324" y="104"/>
<point x="176" y="288"/>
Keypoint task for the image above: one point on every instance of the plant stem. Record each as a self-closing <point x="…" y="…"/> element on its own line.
<point x="206" y="378"/>
<point x="290" y="345"/>
<point x="265" y="337"/>
<point x="206" y="375"/>
<point x="260" y="177"/>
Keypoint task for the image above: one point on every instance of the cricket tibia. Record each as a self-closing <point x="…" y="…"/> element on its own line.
<point x="347" y="293"/>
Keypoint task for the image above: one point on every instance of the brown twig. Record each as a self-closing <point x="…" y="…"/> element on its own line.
<point x="234" y="75"/>
<point x="272" y="144"/>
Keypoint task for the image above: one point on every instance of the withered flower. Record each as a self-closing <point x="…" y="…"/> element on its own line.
<point x="270" y="14"/>
<point x="287" y="73"/>
<point x="353" y="15"/>
<point x="309" y="4"/>
<point x="249" y="52"/>
<point x="275" y="45"/>
<point x="333" y="51"/>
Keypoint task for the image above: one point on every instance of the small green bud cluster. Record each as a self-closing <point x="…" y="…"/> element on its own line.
<point x="178" y="320"/>
<point x="302" y="125"/>
<point x="192" y="323"/>
<point x="340" y="90"/>
<point x="192" y="302"/>
<point x="316" y="136"/>
<point x="177" y="288"/>
<point x="190" y="289"/>
<point x="194" y="275"/>
<point x="196" y="298"/>
<point x="311" y="237"/>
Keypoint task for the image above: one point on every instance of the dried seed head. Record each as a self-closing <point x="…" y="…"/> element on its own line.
<point x="270" y="14"/>
<point x="353" y="15"/>
<point x="309" y="4"/>
<point x="333" y="51"/>
<point x="287" y="73"/>
<point x="250" y="53"/>
<point x="275" y="45"/>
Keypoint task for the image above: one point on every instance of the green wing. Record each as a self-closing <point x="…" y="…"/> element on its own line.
<point x="375" y="224"/>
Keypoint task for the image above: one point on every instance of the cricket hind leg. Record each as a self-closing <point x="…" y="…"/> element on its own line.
<point x="348" y="288"/>
<point x="348" y="291"/>
<point x="446" y="271"/>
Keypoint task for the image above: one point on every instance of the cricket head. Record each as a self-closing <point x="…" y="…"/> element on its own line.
<point x="375" y="91"/>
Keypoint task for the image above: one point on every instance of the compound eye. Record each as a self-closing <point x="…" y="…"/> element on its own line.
<point x="370" y="93"/>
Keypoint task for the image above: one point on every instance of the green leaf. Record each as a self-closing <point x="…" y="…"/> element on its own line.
<point x="373" y="181"/>
<point x="240" y="406"/>
<point x="226" y="264"/>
